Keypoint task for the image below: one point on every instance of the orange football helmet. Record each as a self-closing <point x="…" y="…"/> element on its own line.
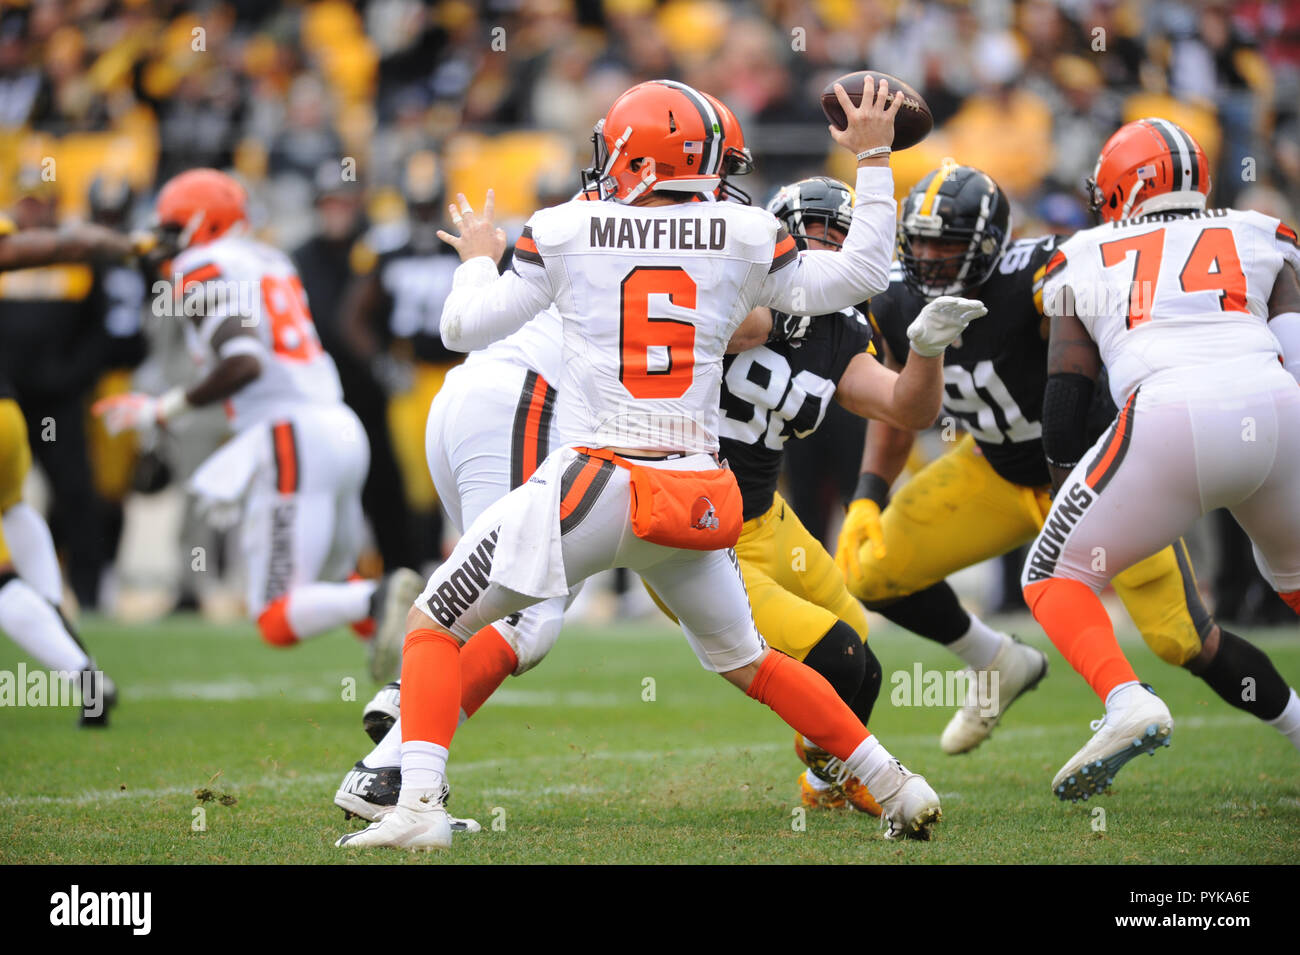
<point x="659" y="136"/>
<point x="737" y="160"/>
<point x="202" y="204"/>
<point x="1149" y="165"/>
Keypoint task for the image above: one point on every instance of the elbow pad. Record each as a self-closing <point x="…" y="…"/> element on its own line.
<point x="1065" y="418"/>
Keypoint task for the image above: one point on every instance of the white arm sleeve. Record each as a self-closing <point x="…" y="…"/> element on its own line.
<point x="484" y="307"/>
<point x="1286" y="328"/>
<point x="818" y="281"/>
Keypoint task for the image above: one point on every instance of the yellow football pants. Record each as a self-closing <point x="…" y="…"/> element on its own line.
<point x="15" y="461"/>
<point x="957" y="511"/>
<point x="795" y="590"/>
<point x="112" y="457"/>
<point x="408" y="414"/>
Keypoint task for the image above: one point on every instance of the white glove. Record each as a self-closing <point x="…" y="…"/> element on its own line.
<point x="219" y="515"/>
<point x="941" y="322"/>
<point x="136" y="411"/>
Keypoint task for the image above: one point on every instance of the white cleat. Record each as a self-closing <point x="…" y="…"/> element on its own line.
<point x="372" y="793"/>
<point x="1019" y="668"/>
<point x="1143" y="726"/>
<point x="912" y="807"/>
<point x="404" y="827"/>
<point x="393" y="600"/>
<point x="382" y="712"/>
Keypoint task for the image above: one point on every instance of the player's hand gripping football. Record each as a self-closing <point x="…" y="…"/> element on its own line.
<point x="941" y="322"/>
<point x="479" y="235"/>
<point x="872" y="123"/>
<point x="861" y="527"/>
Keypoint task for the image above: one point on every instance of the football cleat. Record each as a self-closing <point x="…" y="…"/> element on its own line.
<point x="1143" y="726"/>
<point x="1019" y="668"/>
<point x="911" y="808"/>
<point x="372" y="793"/>
<point x="108" y="690"/>
<point x="424" y="826"/>
<point x="810" y="797"/>
<point x="831" y="769"/>
<point x="381" y="712"/>
<point x="389" y="606"/>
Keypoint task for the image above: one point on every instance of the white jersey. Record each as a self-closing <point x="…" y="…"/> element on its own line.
<point x="537" y="346"/>
<point x="239" y="277"/>
<point x="649" y="296"/>
<point x="1171" y="291"/>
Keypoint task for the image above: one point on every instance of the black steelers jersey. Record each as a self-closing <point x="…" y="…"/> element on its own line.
<point x="780" y="391"/>
<point x="995" y="373"/>
<point x="413" y="286"/>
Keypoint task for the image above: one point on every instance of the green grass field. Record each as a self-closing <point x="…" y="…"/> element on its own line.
<point x="573" y="765"/>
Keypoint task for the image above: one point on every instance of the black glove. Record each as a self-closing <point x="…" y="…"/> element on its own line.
<point x="789" y="328"/>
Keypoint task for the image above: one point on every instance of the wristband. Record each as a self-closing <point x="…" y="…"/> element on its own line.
<point x="875" y="152"/>
<point x="874" y="488"/>
<point x="172" y="403"/>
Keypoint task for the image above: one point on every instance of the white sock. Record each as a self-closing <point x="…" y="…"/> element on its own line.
<point x="868" y="759"/>
<point x="32" y="547"/>
<point x="1114" y="697"/>
<point x="36" y="627"/>
<point x="978" y="645"/>
<point x="315" y="608"/>
<point x="815" y="784"/>
<point x="424" y="767"/>
<point x="388" y="751"/>
<point x="1288" y="724"/>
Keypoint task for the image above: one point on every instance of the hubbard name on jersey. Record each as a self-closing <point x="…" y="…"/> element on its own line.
<point x="240" y="276"/>
<point x="995" y="373"/>
<point x="781" y="390"/>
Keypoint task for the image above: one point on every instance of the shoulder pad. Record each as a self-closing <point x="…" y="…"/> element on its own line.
<point x="557" y="225"/>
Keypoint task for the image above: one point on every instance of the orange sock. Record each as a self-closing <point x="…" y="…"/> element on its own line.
<point x="802" y="697"/>
<point x="274" y="623"/>
<point x="1292" y="600"/>
<point x="1077" y="624"/>
<point x="485" y="661"/>
<point x="430" y="687"/>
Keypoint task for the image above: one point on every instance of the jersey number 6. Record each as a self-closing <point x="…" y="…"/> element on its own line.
<point x="656" y="353"/>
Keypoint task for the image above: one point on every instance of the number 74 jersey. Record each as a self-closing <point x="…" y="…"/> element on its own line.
<point x="237" y="295"/>
<point x="1172" y="290"/>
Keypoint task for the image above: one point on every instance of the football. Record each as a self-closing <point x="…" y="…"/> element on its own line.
<point x="914" y="120"/>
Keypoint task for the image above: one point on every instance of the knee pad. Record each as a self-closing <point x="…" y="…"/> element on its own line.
<point x="842" y="658"/>
<point x="273" y="621"/>
<point x="532" y="633"/>
<point x="1173" y="641"/>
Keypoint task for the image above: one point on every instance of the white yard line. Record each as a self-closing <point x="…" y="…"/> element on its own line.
<point x="278" y="783"/>
<point x="460" y="770"/>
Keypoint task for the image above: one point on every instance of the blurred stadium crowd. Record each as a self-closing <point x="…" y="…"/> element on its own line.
<point x="349" y="123"/>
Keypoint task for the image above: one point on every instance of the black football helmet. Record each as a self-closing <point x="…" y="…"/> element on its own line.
<point x="819" y="199"/>
<point x="955" y="204"/>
